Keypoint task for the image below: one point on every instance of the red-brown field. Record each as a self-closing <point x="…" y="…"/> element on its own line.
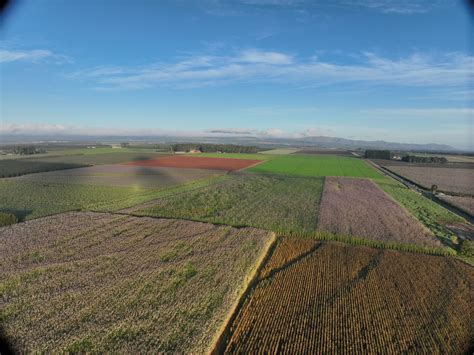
<point x="228" y="164"/>
<point x="357" y="207"/>
<point x="108" y="283"/>
<point x="336" y="298"/>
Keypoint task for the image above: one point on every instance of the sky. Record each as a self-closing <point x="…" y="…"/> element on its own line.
<point x="389" y="70"/>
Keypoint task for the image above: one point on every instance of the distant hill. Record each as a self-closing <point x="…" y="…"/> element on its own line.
<point x="317" y="141"/>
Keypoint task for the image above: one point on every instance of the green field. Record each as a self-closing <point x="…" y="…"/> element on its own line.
<point x="278" y="203"/>
<point x="432" y="215"/>
<point x="29" y="200"/>
<point x="313" y="166"/>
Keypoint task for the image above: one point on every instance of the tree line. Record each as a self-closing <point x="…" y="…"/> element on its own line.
<point x="213" y="148"/>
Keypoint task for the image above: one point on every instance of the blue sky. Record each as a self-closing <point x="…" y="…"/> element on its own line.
<point x="384" y="69"/>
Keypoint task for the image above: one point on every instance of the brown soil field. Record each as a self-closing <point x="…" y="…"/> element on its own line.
<point x="465" y="203"/>
<point x="123" y="175"/>
<point x="350" y="299"/>
<point x="228" y="164"/>
<point x="358" y="207"/>
<point x="457" y="180"/>
<point x="97" y="282"/>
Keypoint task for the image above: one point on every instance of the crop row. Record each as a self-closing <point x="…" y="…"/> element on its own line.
<point x="341" y="298"/>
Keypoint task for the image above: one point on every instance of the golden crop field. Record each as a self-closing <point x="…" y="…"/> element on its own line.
<point x="336" y="298"/>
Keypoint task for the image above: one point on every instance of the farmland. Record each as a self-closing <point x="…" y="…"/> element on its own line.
<point x="433" y="216"/>
<point x="330" y="297"/>
<point x="448" y="179"/>
<point x="249" y="156"/>
<point x="280" y="151"/>
<point x="247" y="200"/>
<point x="112" y="283"/>
<point x="465" y="203"/>
<point x="9" y="168"/>
<point x="29" y="165"/>
<point x="357" y="207"/>
<point x="124" y="175"/>
<point x="28" y="200"/>
<point x="314" y="166"/>
<point x="192" y="162"/>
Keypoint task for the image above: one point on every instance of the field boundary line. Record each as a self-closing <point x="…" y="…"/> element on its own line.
<point x="218" y="346"/>
<point x="414" y="186"/>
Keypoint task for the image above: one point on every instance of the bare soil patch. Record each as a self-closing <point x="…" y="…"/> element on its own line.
<point x="357" y="207"/>
<point x="189" y="162"/>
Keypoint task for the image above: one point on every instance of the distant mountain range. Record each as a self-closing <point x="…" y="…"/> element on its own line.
<point x="316" y="142"/>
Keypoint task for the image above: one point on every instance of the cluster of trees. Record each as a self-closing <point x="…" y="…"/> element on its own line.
<point x="212" y="148"/>
<point x="28" y="150"/>
<point x="378" y="154"/>
<point x="425" y="160"/>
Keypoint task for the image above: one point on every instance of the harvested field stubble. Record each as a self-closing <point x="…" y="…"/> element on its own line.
<point x="95" y="282"/>
<point x="229" y="164"/>
<point x="339" y="298"/>
<point x="447" y="179"/>
<point x="357" y="207"/>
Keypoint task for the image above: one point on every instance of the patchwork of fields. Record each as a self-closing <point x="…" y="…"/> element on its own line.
<point x="94" y="282"/>
<point x="124" y="175"/>
<point x="357" y="207"/>
<point x="152" y="277"/>
<point x="327" y="297"/>
<point x="315" y="166"/>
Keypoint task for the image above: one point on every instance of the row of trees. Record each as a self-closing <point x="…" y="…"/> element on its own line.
<point x="424" y="160"/>
<point x="28" y="150"/>
<point x="378" y="154"/>
<point x="212" y="148"/>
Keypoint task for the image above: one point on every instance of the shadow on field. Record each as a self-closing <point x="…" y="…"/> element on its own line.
<point x="20" y="214"/>
<point x="6" y="347"/>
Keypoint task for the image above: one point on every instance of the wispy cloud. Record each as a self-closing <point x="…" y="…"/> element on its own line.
<point x="257" y="66"/>
<point x="397" y="7"/>
<point x="31" y="56"/>
<point x="400" y="7"/>
<point x="421" y="112"/>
